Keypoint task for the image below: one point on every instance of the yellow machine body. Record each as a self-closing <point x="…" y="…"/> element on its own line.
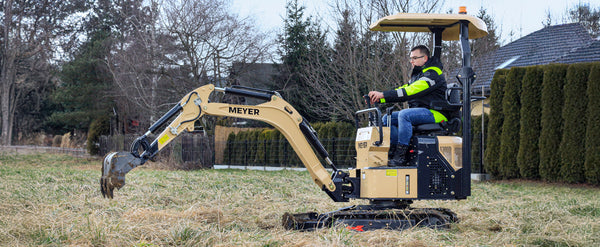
<point x="378" y="181"/>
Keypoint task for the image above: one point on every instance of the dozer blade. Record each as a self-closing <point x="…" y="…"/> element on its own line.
<point x="363" y="218"/>
<point x="114" y="168"/>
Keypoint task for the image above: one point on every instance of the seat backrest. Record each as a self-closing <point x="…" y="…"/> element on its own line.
<point x="454" y="94"/>
<point x="453" y="125"/>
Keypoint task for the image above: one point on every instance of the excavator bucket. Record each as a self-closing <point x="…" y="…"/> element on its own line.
<point x="114" y="168"/>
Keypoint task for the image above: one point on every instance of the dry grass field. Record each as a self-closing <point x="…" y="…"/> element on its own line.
<point x="54" y="200"/>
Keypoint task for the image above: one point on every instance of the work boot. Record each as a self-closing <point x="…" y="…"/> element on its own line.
<point x="399" y="156"/>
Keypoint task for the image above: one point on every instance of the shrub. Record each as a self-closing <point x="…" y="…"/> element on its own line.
<point x="278" y="149"/>
<point x="100" y="126"/>
<point x="509" y="139"/>
<point x="329" y="132"/>
<point x="275" y="155"/>
<point x="592" y="136"/>
<point x="551" y="121"/>
<point x="574" y="116"/>
<point x="528" y="158"/>
<point x="228" y="154"/>
<point x="56" y="141"/>
<point x="253" y="145"/>
<point x="346" y="135"/>
<point x="318" y="128"/>
<point x="269" y="151"/>
<point x="65" y="140"/>
<point x="241" y="148"/>
<point x="492" y="151"/>
<point x="476" y="140"/>
<point x="262" y="150"/>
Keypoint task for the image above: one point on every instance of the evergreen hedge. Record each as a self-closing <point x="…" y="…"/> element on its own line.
<point x="346" y="135"/>
<point x="509" y="139"/>
<point x="249" y="146"/>
<point x="592" y="137"/>
<point x="273" y="156"/>
<point x="241" y="147"/>
<point x="228" y="152"/>
<point x="496" y="119"/>
<point x="551" y="121"/>
<point x="476" y="141"/>
<point x="528" y="158"/>
<point x="572" y="146"/>
<point x="261" y="147"/>
<point x="270" y="152"/>
<point x="328" y="131"/>
<point x="253" y="144"/>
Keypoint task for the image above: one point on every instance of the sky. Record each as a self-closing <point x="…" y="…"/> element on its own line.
<point x="520" y="16"/>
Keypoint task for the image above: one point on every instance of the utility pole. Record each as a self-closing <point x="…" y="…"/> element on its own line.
<point x="482" y="128"/>
<point x="480" y="175"/>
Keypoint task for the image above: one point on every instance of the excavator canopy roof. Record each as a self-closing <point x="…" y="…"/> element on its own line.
<point x="411" y="22"/>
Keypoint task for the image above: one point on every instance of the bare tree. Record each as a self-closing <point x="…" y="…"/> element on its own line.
<point x="588" y="17"/>
<point x="480" y="48"/>
<point x="140" y="64"/>
<point x="174" y="47"/>
<point x="29" y="28"/>
<point x="548" y="20"/>
<point x="403" y="39"/>
<point x="212" y="38"/>
<point x="362" y="60"/>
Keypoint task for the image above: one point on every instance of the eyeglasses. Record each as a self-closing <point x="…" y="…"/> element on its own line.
<point x="415" y="58"/>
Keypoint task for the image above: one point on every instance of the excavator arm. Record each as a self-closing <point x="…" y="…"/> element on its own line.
<point x="275" y="111"/>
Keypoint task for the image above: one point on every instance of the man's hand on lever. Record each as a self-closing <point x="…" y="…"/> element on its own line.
<point x="375" y="96"/>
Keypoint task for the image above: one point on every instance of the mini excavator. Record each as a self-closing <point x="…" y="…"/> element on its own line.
<point x="438" y="167"/>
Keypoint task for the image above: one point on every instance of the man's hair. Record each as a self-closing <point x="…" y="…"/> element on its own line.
<point x="423" y="49"/>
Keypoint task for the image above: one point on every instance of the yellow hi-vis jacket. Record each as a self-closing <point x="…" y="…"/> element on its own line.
<point x="426" y="89"/>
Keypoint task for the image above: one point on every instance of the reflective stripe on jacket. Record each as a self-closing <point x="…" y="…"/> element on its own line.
<point x="427" y="85"/>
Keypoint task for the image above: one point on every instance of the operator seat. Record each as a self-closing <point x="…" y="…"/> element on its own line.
<point x="453" y="125"/>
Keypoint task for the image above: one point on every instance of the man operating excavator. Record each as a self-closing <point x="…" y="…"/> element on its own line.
<point x="425" y="90"/>
<point x="438" y="169"/>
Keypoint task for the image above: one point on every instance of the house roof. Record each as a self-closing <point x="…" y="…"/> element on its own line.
<point x="589" y="53"/>
<point x="551" y="44"/>
<point x="256" y="75"/>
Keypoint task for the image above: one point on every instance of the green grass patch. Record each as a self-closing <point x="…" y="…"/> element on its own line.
<point x="54" y="200"/>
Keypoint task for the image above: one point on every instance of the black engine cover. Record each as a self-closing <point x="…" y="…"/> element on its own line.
<point x="437" y="179"/>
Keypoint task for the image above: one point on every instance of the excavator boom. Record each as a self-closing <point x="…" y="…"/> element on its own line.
<point x="275" y="111"/>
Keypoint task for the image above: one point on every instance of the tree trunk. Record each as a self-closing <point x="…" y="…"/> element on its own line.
<point x="8" y="75"/>
<point x="8" y="72"/>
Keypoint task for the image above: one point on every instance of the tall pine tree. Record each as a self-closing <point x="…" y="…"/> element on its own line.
<point x="301" y="39"/>
<point x="574" y="115"/>
<point x="85" y="81"/>
<point x="552" y="121"/>
<point x="592" y="136"/>
<point x="509" y="140"/>
<point x="528" y="158"/>
<point x="496" y="120"/>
